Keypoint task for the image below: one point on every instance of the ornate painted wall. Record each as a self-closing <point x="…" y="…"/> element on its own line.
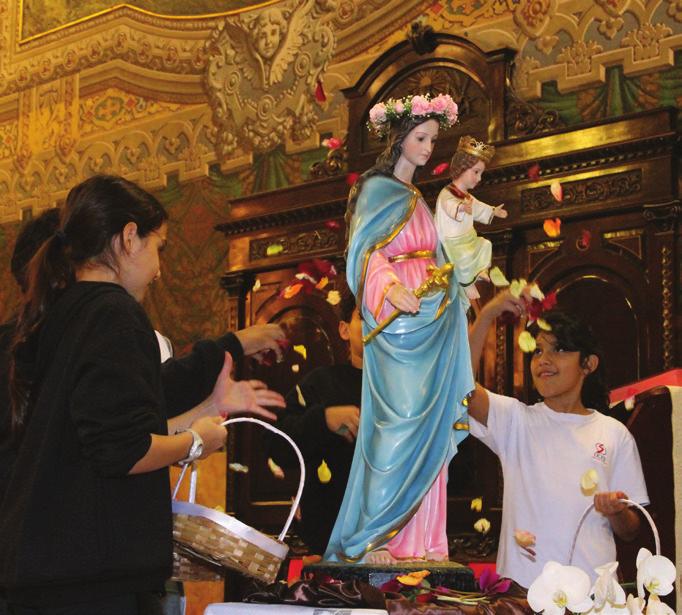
<point x="201" y="108"/>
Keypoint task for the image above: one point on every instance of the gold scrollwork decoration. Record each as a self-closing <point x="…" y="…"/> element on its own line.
<point x="262" y="71"/>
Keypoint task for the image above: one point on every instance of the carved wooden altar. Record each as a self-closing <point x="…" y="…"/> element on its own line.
<point x="616" y="259"/>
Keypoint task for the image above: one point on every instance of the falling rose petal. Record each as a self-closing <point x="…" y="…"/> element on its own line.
<point x="543" y="324"/>
<point x="238" y="467"/>
<point x="497" y="277"/>
<point x="324" y="474"/>
<point x="589" y="481"/>
<point x="333" y="297"/>
<point x="549" y="301"/>
<point x="482" y="526"/>
<point x="311" y="559"/>
<point x="557" y="191"/>
<point x="413" y="579"/>
<point x="277" y="472"/>
<point x="351" y="178"/>
<point x="301" y="349"/>
<point x="477" y="504"/>
<point x="440" y="169"/>
<point x="299" y="395"/>
<point x="526" y="342"/>
<point x="320" y="95"/>
<point x="534" y="171"/>
<point x="584" y="240"/>
<point x="322" y="283"/>
<point x="524" y="538"/>
<point x="535" y="292"/>
<point x="304" y="276"/>
<point x="516" y="287"/>
<point x="552" y="227"/>
<point x="256" y="285"/>
<point x="274" y="249"/>
<point x="291" y="291"/>
<point x="332" y="143"/>
<point x="295" y="368"/>
<point x="219" y="508"/>
<point x="629" y="403"/>
<point x="332" y="225"/>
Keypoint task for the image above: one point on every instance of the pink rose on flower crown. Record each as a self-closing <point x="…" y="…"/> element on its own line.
<point x="452" y="111"/>
<point x="399" y="107"/>
<point x="421" y="106"/>
<point x="440" y="103"/>
<point x="377" y="114"/>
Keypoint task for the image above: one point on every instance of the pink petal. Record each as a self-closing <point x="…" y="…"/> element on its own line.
<point x="557" y="191"/>
<point x="439" y="169"/>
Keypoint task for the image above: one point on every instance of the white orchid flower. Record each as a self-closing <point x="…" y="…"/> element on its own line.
<point x="655" y="573"/>
<point x="607" y="593"/>
<point x="656" y="607"/>
<point x="559" y="588"/>
<point x="635" y="605"/>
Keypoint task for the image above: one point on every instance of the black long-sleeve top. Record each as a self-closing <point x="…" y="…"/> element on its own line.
<point x="336" y="385"/>
<point x="74" y="525"/>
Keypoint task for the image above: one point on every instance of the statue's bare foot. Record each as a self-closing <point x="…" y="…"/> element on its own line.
<point x="381" y="557"/>
<point x="435" y="556"/>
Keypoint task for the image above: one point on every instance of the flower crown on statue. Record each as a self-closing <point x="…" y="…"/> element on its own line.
<point x="481" y="150"/>
<point x="441" y="108"/>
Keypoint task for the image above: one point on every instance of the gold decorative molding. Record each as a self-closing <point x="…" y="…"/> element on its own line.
<point x="538" y="252"/>
<point x="630" y="240"/>
<point x="262" y="72"/>
<point x="667" y="306"/>
<point x="299" y="243"/>
<point x="582" y="191"/>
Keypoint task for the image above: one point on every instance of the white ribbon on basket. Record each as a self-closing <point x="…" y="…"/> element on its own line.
<point x="590" y="508"/>
<point x="299" y="492"/>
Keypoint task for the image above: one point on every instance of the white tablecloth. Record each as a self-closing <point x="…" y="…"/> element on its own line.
<point x="244" y="608"/>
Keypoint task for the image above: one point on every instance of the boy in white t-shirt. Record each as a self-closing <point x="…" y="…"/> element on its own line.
<point x="545" y="449"/>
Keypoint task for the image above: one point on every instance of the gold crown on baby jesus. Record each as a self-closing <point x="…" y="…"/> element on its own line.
<point x="476" y="148"/>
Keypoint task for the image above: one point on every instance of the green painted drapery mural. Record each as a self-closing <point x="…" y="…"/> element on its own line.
<point x="617" y="96"/>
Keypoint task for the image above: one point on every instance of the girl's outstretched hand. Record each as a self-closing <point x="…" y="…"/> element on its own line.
<point x="243" y="397"/>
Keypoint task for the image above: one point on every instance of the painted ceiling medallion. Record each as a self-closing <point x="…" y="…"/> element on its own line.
<point x="533" y="16"/>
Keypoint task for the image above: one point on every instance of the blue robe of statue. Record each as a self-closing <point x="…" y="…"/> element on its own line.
<point x="416" y="375"/>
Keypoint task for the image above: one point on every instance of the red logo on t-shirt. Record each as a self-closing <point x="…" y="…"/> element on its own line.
<point x="600" y="452"/>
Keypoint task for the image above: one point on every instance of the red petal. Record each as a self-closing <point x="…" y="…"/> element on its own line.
<point x="320" y="96"/>
<point x="585" y="239"/>
<point x="351" y="178"/>
<point x="549" y="301"/>
<point x="534" y="171"/>
<point x="441" y="168"/>
<point x="332" y="225"/>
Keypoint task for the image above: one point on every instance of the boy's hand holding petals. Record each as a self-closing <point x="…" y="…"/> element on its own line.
<point x="343" y="420"/>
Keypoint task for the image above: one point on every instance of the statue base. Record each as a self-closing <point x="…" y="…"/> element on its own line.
<point x="449" y="574"/>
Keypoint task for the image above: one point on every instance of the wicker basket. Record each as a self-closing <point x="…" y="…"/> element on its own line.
<point x="206" y="540"/>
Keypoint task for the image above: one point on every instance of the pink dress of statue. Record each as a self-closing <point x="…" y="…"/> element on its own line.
<point x="424" y="536"/>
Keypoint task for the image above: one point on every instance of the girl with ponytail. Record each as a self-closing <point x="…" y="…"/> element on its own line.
<point x="85" y="524"/>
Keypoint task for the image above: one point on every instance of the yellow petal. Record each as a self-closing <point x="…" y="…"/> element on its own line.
<point x="420" y="574"/>
<point x="292" y="291"/>
<point x="629" y="403"/>
<point x="556" y="190"/>
<point x="295" y="368"/>
<point x="589" y="481"/>
<point x="238" y="467"/>
<point x="277" y="472"/>
<point x="543" y="324"/>
<point x="322" y="283"/>
<point x="552" y="227"/>
<point x="482" y="525"/>
<point x="299" y="393"/>
<point x="477" y="504"/>
<point x="526" y="341"/>
<point x="333" y="297"/>
<point x="256" y="285"/>
<point x="301" y="349"/>
<point x="516" y="287"/>
<point x="524" y="539"/>
<point x="497" y="277"/>
<point x="219" y="508"/>
<point x="408" y="579"/>
<point x="324" y="473"/>
<point x="536" y="293"/>
<point x="274" y="249"/>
